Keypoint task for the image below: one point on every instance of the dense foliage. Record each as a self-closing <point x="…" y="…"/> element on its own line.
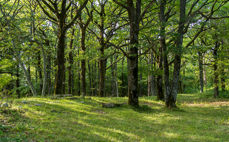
<point x="114" y="48"/>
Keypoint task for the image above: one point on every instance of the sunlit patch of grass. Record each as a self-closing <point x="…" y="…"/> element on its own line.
<point x="44" y="119"/>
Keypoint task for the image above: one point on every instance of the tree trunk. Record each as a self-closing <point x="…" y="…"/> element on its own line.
<point x="151" y="78"/>
<point x="160" y="94"/>
<point x="90" y="76"/>
<point x="64" y="80"/>
<point x="122" y="78"/>
<point x="204" y="73"/>
<point x="172" y="95"/>
<point x="215" y="66"/>
<point x="79" y="76"/>
<point x="18" y="81"/>
<point x="102" y="73"/>
<point x="83" y="62"/>
<point x="102" y="60"/>
<point x="134" y="15"/>
<point x="112" y="77"/>
<point x="26" y="73"/>
<point x="163" y="53"/>
<point x="48" y="70"/>
<point x="59" y="84"/>
<point x="39" y="70"/>
<point x="29" y="71"/>
<point x="201" y="72"/>
<point x="222" y="71"/>
<point x="140" y="78"/>
<point x="115" y="80"/>
<point x="70" y="72"/>
<point x="95" y="79"/>
<point x="223" y="86"/>
<point x="45" y="72"/>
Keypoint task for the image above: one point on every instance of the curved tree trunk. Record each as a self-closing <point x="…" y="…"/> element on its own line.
<point x="27" y="75"/>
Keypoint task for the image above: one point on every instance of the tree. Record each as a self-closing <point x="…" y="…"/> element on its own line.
<point x="57" y="12"/>
<point x="83" y="28"/>
<point x="134" y="16"/>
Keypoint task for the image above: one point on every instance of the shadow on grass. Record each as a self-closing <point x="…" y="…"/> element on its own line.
<point x="86" y="120"/>
<point x="143" y="109"/>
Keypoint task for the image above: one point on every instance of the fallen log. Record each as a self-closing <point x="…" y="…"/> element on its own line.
<point x="111" y="105"/>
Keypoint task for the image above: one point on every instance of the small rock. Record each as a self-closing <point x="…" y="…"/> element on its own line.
<point x="38" y="105"/>
<point x="111" y="105"/>
<point x="82" y="102"/>
<point x="54" y="111"/>
<point x="24" y="102"/>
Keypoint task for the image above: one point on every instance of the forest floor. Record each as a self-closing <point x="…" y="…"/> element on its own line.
<point x="198" y="118"/>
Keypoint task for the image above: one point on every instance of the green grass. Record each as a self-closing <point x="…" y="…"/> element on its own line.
<point x="200" y="119"/>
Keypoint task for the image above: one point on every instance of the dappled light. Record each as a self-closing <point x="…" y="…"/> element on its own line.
<point x="114" y="70"/>
<point x="85" y="119"/>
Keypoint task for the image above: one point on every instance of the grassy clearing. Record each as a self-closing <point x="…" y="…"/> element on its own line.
<point x="198" y="119"/>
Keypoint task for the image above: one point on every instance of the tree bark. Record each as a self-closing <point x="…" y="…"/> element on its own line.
<point x="204" y="73"/>
<point x="222" y="70"/>
<point x="171" y="94"/>
<point x="102" y="60"/>
<point x="115" y="77"/>
<point x="39" y="70"/>
<point x="201" y="72"/>
<point x="160" y="93"/>
<point x="70" y="72"/>
<point x="90" y="76"/>
<point x="45" y="72"/>
<point x="83" y="62"/>
<point x="48" y="70"/>
<point x="223" y="86"/>
<point x="163" y="53"/>
<point x="59" y="84"/>
<point x="151" y="78"/>
<point x="18" y="81"/>
<point x="134" y="15"/>
<point x="215" y="66"/>
<point x="122" y="78"/>
<point x="102" y="73"/>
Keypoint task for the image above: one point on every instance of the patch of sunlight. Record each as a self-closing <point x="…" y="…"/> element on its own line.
<point x="109" y="138"/>
<point x="170" y="135"/>
<point x="113" y="130"/>
<point x="187" y="95"/>
<point x="150" y="118"/>
<point x="66" y="104"/>
<point x="33" y="112"/>
<point x="208" y="104"/>
<point x="161" y="118"/>
<point x="201" y="138"/>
